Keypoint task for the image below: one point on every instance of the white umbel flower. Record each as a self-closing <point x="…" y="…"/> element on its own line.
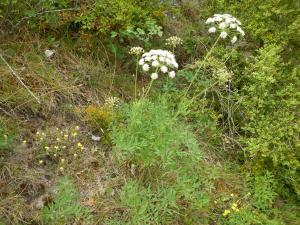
<point x="141" y="62"/>
<point x="234" y="39"/>
<point x="172" y="74"/>
<point x="212" y="30"/>
<point x="136" y="51"/>
<point x="155" y="63"/>
<point x="158" y="61"/>
<point x="224" y="25"/>
<point x="164" y="69"/>
<point x="154" y="76"/>
<point x="223" y="34"/>
<point x="146" y="67"/>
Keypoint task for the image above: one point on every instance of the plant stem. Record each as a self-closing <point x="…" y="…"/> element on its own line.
<point x="135" y="78"/>
<point x="150" y="85"/>
<point x="196" y="74"/>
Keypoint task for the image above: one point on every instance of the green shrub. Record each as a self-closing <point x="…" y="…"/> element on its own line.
<point x="65" y="207"/>
<point x="270" y="121"/>
<point x="126" y="19"/>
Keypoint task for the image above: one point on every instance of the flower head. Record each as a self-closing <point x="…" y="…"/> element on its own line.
<point x="136" y="51"/>
<point x="154" y="76"/>
<point x="146" y="67"/>
<point x="226" y="212"/>
<point x="174" y="41"/>
<point x="227" y="25"/>
<point x="212" y="30"/>
<point x="158" y="61"/>
<point x="223" y="34"/>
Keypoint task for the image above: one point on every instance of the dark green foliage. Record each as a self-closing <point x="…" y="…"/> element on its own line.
<point x="65" y="207"/>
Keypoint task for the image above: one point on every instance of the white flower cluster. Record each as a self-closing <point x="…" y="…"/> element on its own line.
<point x="159" y="61"/>
<point x="136" y="51"/>
<point x="226" y="24"/>
<point x="174" y="41"/>
<point x="112" y="101"/>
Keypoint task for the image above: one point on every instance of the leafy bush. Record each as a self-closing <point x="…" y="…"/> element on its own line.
<point x="269" y="106"/>
<point x="65" y="207"/>
<point x="126" y="19"/>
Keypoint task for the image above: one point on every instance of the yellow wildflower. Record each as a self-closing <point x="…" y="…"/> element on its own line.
<point x="231" y="194"/>
<point x="74" y="134"/>
<point x="56" y="147"/>
<point x="24" y="142"/>
<point x="226" y="212"/>
<point x="46" y="147"/>
<point x="79" y="145"/>
<point x="37" y="133"/>
<point x="54" y="154"/>
<point x="61" y="168"/>
<point x="41" y="162"/>
<point x="75" y="155"/>
<point x="57" y="139"/>
<point x="66" y="136"/>
<point x="77" y="128"/>
<point x="64" y="147"/>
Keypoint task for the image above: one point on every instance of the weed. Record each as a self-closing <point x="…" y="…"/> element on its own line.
<point x="65" y="207"/>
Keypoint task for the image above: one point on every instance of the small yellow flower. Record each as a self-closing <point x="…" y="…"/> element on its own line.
<point x="74" y="134"/>
<point x="66" y="136"/>
<point x="61" y="168"/>
<point x="62" y="160"/>
<point x="56" y="147"/>
<point x="41" y="162"/>
<point x="57" y="139"/>
<point x="75" y="155"/>
<point x="43" y="134"/>
<point x="54" y="154"/>
<point x="215" y="202"/>
<point x="47" y="148"/>
<point x="234" y="205"/>
<point x="231" y="194"/>
<point x="37" y="133"/>
<point x="226" y="212"/>
<point x="77" y="128"/>
<point x="24" y="142"/>
<point x="79" y="145"/>
<point x="63" y="147"/>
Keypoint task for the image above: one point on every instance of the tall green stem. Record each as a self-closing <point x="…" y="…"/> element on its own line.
<point x="150" y="85"/>
<point x="200" y="67"/>
<point x="135" y="78"/>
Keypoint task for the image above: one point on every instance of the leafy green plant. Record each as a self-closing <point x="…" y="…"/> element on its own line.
<point x="65" y="207"/>
<point x="269" y="107"/>
<point x="121" y="18"/>
<point x="264" y="191"/>
<point x="151" y="136"/>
